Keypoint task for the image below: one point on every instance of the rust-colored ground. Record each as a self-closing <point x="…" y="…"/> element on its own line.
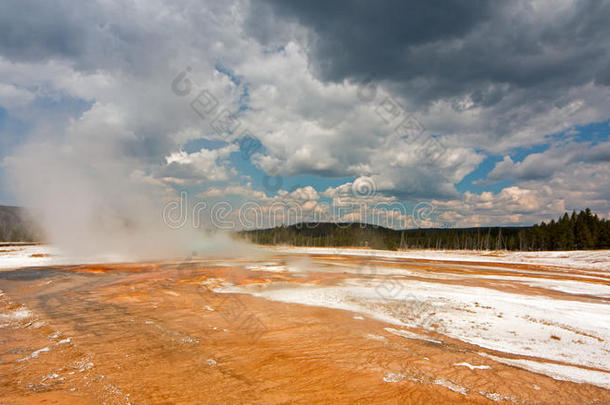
<point x="154" y="333"/>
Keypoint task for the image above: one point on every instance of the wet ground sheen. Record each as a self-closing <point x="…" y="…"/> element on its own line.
<point x="154" y="333"/>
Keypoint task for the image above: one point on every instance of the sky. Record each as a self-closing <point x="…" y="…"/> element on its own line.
<point x="403" y="113"/>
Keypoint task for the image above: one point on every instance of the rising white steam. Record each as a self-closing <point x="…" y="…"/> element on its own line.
<point x="90" y="195"/>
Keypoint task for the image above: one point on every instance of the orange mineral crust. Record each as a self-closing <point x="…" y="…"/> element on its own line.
<point x="229" y="331"/>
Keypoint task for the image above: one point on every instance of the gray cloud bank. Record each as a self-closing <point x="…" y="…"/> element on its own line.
<point x="93" y="82"/>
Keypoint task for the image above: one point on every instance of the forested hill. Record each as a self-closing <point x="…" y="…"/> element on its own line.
<point x="13" y="226"/>
<point x="576" y="231"/>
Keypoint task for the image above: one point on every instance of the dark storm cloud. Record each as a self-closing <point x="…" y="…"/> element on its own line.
<point x="35" y="30"/>
<point x="433" y="50"/>
<point x="360" y="37"/>
<point x="90" y="35"/>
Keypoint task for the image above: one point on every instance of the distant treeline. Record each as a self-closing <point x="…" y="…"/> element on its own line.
<point x="14" y="227"/>
<point x="576" y="231"/>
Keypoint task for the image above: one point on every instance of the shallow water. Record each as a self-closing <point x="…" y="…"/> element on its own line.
<point x="174" y="333"/>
